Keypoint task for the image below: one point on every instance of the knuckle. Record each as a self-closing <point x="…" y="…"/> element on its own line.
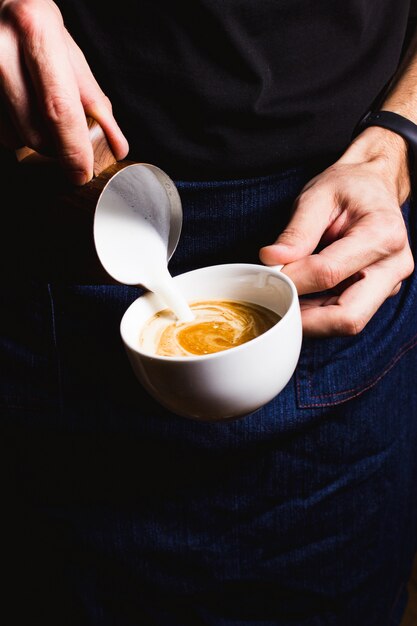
<point x="396" y="289"/>
<point x="408" y="266"/>
<point x="395" y="235"/>
<point x="57" y="108"/>
<point x="90" y="103"/>
<point x="352" y="325"/>
<point x="397" y="240"/>
<point x="97" y="101"/>
<point x="311" y="194"/>
<point x="402" y="265"/>
<point x="292" y="236"/>
<point x="107" y="102"/>
<point x="75" y="158"/>
<point x="31" y="21"/>
<point x="25" y="15"/>
<point x="326" y="273"/>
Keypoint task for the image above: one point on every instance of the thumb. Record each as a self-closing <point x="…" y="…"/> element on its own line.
<point x="311" y="217"/>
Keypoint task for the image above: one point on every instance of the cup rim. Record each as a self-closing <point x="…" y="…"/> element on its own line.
<point x="215" y="355"/>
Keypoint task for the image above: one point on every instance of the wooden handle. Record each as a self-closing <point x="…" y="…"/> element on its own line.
<point x="103" y="156"/>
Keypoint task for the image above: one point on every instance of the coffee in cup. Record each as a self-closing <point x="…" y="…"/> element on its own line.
<point x="217" y="325"/>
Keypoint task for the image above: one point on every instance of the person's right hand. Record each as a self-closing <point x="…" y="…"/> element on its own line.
<point x="47" y="89"/>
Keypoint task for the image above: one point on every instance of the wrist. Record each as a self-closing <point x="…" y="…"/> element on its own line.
<point x="400" y="105"/>
<point x="385" y="150"/>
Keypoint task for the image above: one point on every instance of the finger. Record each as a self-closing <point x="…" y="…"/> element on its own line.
<point x="313" y="212"/>
<point x="18" y="98"/>
<point x="94" y="101"/>
<point x="322" y="300"/>
<point x="349" y="313"/>
<point x="58" y="95"/>
<point x="365" y="244"/>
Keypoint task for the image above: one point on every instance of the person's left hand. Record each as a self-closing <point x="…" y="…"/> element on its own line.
<point x="347" y="236"/>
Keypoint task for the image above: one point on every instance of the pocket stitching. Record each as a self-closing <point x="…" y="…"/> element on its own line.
<point x="402" y="351"/>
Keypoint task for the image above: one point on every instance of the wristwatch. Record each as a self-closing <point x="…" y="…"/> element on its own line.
<point x="395" y="122"/>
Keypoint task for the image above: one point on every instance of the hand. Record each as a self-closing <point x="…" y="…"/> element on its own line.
<point x="347" y="236"/>
<point x="47" y="89"/>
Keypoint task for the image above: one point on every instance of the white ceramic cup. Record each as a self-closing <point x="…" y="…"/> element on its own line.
<point x="234" y="382"/>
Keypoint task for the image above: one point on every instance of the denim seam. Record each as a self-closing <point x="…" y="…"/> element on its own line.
<point x="403" y="349"/>
<point x="237" y="182"/>
<point x="358" y="390"/>
<point x="58" y="360"/>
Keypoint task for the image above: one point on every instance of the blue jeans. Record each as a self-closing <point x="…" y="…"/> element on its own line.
<point x="119" y="513"/>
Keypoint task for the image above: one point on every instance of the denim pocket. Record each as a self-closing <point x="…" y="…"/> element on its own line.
<point x="332" y="371"/>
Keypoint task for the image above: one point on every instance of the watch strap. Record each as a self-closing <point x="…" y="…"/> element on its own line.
<point x="394" y="122"/>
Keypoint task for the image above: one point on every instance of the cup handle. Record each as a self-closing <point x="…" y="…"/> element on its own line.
<point x="278" y="268"/>
<point x="103" y="156"/>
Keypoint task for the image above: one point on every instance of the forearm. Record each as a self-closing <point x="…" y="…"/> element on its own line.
<point x="401" y="96"/>
<point x="385" y="148"/>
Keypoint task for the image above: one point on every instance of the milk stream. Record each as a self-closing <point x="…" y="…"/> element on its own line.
<point x="151" y="258"/>
<point x="145" y="247"/>
<point x="164" y="286"/>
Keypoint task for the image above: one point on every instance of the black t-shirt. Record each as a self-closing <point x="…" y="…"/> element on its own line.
<point x="238" y="88"/>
